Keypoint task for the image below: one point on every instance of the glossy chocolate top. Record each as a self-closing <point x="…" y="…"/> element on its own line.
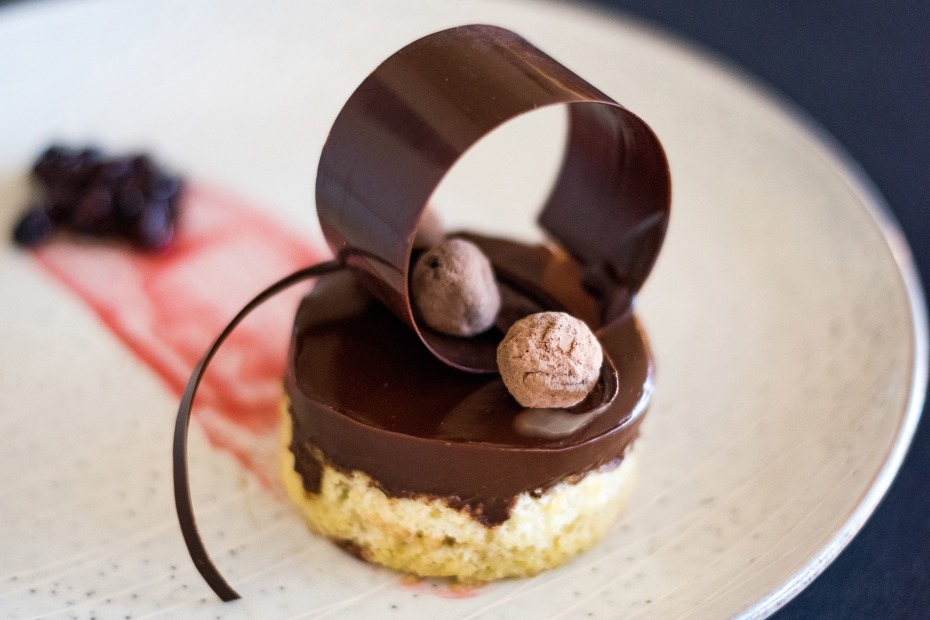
<point x="406" y="125"/>
<point x="367" y="393"/>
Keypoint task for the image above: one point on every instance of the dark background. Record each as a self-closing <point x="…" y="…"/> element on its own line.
<point x="861" y="69"/>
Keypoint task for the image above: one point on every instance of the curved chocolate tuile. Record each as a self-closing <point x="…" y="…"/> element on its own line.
<point x="409" y="122"/>
<point x="182" y="491"/>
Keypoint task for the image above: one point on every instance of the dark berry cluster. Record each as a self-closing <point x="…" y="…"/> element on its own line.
<point x="118" y="197"/>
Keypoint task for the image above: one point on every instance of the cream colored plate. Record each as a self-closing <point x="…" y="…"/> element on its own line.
<point x="785" y="313"/>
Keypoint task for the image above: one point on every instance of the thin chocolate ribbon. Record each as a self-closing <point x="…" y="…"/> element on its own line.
<point x="182" y="491"/>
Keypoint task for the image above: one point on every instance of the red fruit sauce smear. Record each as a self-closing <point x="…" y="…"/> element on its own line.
<point x="168" y="307"/>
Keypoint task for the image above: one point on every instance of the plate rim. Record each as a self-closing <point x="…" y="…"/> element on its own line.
<point x="823" y="144"/>
<point x="851" y="173"/>
<point x="814" y="135"/>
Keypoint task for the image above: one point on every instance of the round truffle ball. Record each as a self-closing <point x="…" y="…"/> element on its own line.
<point x="549" y="360"/>
<point x="454" y="290"/>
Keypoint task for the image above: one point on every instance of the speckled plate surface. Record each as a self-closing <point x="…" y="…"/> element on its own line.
<point x="787" y="322"/>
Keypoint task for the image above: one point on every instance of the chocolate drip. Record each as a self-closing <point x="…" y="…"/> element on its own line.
<point x="487" y="511"/>
<point x="311" y="467"/>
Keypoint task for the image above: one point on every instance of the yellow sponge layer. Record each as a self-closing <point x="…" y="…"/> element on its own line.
<point x="425" y="537"/>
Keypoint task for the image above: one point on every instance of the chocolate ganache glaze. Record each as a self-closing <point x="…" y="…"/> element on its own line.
<point x="371" y="389"/>
<point x="370" y="397"/>
<point x="366" y="394"/>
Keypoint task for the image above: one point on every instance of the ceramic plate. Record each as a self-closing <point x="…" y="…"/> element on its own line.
<point x="784" y="311"/>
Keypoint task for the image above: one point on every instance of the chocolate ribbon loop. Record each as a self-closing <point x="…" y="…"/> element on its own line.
<point x="409" y="122"/>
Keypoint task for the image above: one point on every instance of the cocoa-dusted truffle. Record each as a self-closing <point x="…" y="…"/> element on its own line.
<point x="453" y="289"/>
<point x="549" y="360"/>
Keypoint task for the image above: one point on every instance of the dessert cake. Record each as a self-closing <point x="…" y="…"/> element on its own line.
<point x="419" y="466"/>
<point x="402" y="443"/>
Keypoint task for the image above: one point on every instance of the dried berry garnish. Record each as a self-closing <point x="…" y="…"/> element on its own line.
<point x="34" y="227"/>
<point x="127" y="197"/>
